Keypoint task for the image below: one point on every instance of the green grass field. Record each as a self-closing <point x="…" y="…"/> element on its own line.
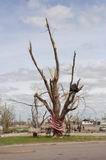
<point x="47" y="139"/>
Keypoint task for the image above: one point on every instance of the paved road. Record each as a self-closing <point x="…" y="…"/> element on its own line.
<point x="60" y="151"/>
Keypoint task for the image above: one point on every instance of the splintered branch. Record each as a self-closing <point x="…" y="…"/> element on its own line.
<point x="78" y="82"/>
<point x="73" y="68"/>
<point x="67" y="102"/>
<point x="79" y="88"/>
<point x="73" y="89"/>
<point x="72" y="78"/>
<point x="55" y="51"/>
<point x="44" y="102"/>
<point x="39" y="70"/>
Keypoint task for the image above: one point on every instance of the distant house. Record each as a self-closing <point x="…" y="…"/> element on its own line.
<point x="87" y="122"/>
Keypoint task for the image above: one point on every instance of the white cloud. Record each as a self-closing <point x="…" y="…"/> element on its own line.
<point x="90" y="80"/>
<point x="34" y="20"/>
<point x="98" y="91"/>
<point x="93" y="16"/>
<point x="59" y="12"/>
<point x="58" y="15"/>
<point x="34" y="3"/>
<point x="61" y="15"/>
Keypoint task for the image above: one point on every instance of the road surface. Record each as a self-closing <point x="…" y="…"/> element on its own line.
<point x="55" y="151"/>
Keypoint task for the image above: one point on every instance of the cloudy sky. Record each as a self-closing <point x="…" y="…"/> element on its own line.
<point x="76" y="25"/>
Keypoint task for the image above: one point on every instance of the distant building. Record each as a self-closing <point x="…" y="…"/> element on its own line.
<point x="87" y="122"/>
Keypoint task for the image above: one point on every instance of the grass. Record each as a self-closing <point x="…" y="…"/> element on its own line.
<point x="47" y="139"/>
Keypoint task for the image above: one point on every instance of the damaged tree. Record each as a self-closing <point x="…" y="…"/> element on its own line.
<point x="57" y="109"/>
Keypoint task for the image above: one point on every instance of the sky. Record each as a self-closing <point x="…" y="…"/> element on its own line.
<point x="76" y="25"/>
